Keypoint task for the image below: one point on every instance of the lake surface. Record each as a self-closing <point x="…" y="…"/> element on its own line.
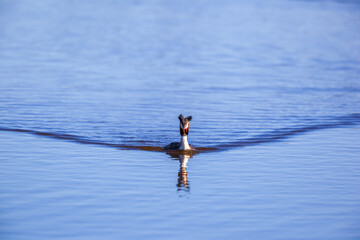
<point x="90" y="93"/>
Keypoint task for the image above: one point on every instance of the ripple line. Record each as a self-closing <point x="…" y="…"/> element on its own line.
<point x="275" y="135"/>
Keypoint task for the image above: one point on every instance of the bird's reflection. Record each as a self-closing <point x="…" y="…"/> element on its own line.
<point x="183" y="183"/>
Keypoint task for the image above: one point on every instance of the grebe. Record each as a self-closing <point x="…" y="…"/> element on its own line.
<point x="184" y="131"/>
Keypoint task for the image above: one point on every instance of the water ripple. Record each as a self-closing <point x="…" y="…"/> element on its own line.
<point x="271" y="136"/>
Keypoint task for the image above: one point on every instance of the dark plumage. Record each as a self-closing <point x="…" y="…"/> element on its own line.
<point x="172" y="146"/>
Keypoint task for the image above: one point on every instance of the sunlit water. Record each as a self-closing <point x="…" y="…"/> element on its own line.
<point x="273" y="88"/>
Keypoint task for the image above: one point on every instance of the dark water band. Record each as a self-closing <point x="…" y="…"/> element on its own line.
<point x="272" y="136"/>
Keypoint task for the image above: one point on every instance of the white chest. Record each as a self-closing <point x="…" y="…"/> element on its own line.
<point x="184" y="145"/>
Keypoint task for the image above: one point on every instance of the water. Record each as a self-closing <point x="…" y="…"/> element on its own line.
<point x="273" y="88"/>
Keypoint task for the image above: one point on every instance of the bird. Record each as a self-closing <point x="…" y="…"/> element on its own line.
<point x="184" y="131"/>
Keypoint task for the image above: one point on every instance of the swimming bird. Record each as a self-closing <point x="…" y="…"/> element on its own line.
<point x="184" y="131"/>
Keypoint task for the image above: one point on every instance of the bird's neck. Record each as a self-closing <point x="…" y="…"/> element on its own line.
<point x="184" y="145"/>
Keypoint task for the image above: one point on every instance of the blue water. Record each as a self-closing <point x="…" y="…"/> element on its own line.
<point x="273" y="88"/>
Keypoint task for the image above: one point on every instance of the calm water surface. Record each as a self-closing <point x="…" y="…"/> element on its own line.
<point x="273" y="88"/>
